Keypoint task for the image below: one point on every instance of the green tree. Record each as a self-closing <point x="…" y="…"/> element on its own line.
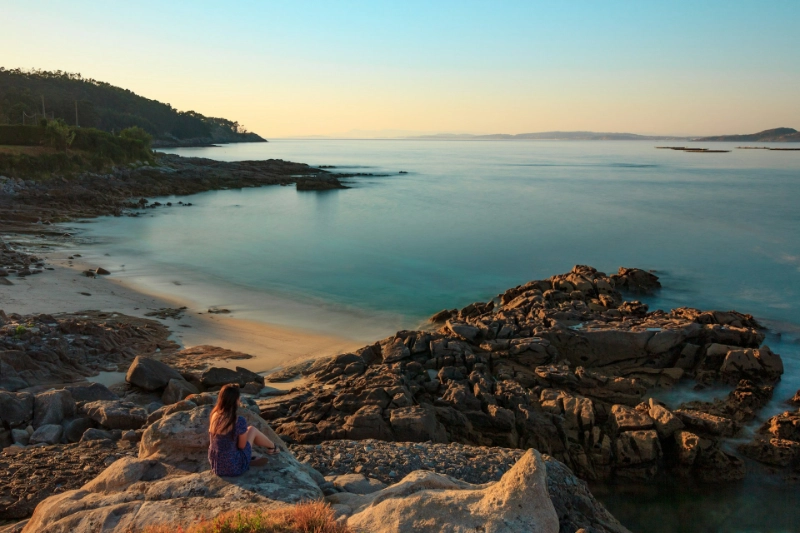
<point x="137" y="134"/>
<point x="59" y="135"/>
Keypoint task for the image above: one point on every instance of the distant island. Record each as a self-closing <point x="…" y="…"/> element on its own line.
<point x="28" y="96"/>
<point x="773" y="135"/>
<point x="551" y="136"/>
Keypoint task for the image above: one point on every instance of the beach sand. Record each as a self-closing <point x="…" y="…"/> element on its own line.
<point x="66" y="289"/>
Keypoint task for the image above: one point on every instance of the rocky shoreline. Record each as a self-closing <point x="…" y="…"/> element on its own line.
<point x="87" y="194"/>
<point x="567" y="366"/>
<point x="563" y="365"/>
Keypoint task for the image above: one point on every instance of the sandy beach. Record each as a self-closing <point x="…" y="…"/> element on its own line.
<point x="65" y="289"/>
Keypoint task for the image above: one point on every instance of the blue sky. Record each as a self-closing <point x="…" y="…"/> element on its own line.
<point x="297" y="68"/>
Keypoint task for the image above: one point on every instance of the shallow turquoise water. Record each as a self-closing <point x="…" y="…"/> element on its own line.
<point x="471" y="219"/>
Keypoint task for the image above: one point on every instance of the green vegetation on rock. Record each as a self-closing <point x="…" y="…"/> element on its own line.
<point x="65" y="149"/>
<point x="99" y="105"/>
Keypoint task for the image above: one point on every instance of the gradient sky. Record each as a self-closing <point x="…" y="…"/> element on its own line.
<point x="303" y="68"/>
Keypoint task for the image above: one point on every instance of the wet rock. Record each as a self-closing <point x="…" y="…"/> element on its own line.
<point x="748" y="363"/>
<point x="626" y="419"/>
<point x="666" y="423"/>
<point x="633" y="448"/>
<point x="775" y="452"/>
<point x="706" y="423"/>
<point x="635" y="280"/>
<point x="783" y="426"/>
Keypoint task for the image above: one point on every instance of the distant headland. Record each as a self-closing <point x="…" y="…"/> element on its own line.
<point x="773" y="135"/>
<point x="27" y="96"/>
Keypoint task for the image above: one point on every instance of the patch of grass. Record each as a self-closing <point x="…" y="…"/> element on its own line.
<point x="26" y="150"/>
<point x="315" y="517"/>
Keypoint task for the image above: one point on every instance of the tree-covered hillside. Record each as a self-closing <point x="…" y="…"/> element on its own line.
<point x="106" y="107"/>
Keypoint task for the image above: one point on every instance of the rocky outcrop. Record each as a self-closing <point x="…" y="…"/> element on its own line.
<point x="169" y="482"/>
<point x="564" y="365"/>
<point x="90" y="194"/>
<point x="429" y="502"/>
<point x="777" y="443"/>
<point x="389" y="462"/>
<point x="45" y="350"/>
<point x="32" y="474"/>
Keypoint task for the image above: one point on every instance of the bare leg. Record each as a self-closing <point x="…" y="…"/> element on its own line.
<point x="254" y="436"/>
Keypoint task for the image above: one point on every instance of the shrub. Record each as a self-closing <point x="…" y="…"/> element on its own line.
<point x="137" y="135"/>
<point x="315" y="517"/>
<point x="59" y="135"/>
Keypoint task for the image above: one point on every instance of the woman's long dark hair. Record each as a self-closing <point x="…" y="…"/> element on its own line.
<point x="223" y="416"/>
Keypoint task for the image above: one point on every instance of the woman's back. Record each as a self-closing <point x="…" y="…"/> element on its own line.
<point x="224" y="454"/>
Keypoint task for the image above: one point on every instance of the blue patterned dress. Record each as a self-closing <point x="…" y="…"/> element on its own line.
<point x="224" y="454"/>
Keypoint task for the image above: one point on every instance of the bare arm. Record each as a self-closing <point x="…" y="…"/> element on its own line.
<point x="242" y="441"/>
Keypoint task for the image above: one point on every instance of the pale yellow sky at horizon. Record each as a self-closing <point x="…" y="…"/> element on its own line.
<point x="452" y="67"/>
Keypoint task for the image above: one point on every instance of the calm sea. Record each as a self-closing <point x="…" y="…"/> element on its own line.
<point x="470" y="219"/>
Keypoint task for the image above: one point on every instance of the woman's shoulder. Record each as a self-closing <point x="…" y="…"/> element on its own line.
<point x="241" y="424"/>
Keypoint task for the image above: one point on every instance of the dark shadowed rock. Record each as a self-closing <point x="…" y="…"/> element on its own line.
<point x="367" y="423"/>
<point x="16" y="409"/>
<point x="417" y="424"/>
<point x="217" y="376"/>
<point x="91" y="392"/>
<point x="47" y="434"/>
<point x="74" y="429"/>
<point x="177" y="390"/>
<point x="116" y="414"/>
<point x="52" y="407"/>
<point x="149" y="374"/>
<point x="96" y="434"/>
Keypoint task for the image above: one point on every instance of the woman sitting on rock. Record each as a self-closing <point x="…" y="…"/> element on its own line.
<point x="230" y="452"/>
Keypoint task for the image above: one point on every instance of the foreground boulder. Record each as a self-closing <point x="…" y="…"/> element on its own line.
<point x="388" y="462"/>
<point x="170" y="482"/>
<point x="428" y="502"/>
